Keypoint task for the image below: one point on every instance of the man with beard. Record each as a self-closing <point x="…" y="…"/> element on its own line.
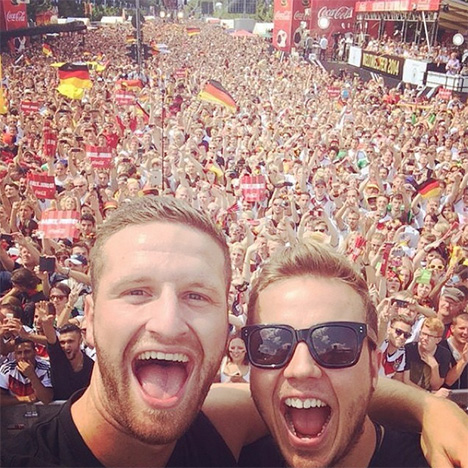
<point x="70" y="367"/>
<point x="311" y="339"/>
<point x="158" y="320"/>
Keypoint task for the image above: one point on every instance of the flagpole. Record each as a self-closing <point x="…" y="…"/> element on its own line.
<point x="163" y="117"/>
<point x="138" y="34"/>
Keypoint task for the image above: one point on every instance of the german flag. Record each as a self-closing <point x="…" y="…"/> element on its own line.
<point x="3" y="103"/>
<point x="47" y="50"/>
<point x="129" y="85"/>
<point x="429" y="189"/>
<point x="75" y="74"/>
<point x="141" y="110"/>
<point x="214" y="92"/>
<point x="130" y="39"/>
<point x="193" y="31"/>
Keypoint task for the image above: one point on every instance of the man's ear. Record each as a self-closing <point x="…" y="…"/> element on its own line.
<point x="375" y="361"/>
<point x="89" y="317"/>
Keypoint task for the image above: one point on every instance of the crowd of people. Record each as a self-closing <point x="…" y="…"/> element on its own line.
<point x="375" y="173"/>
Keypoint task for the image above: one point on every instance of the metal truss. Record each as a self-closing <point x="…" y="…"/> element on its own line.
<point x="396" y="16"/>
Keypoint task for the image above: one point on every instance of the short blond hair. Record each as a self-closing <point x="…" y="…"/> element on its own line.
<point x="312" y="259"/>
<point x="435" y="325"/>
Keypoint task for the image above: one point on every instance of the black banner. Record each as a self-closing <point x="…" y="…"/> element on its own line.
<point x="389" y="65"/>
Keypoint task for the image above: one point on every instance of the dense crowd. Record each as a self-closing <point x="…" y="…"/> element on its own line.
<point x="376" y="173"/>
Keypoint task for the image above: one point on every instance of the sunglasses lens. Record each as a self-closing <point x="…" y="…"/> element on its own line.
<point x="270" y="347"/>
<point x="336" y="346"/>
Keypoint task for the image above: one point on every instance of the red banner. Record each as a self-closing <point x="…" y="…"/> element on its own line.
<point x="397" y="5"/>
<point x="287" y="18"/>
<point x="30" y="107"/>
<point x="100" y="157"/>
<point x="12" y="16"/>
<point x="124" y="98"/>
<point x="50" y="143"/>
<point x="333" y="92"/>
<point x="180" y="73"/>
<point x="445" y="94"/>
<point x="340" y="14"/>
<point x="43" y="185"/>
<point x="59" y="224"/>
<point x="253" y="188"/>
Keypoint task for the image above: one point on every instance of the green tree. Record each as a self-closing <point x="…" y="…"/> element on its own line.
<point x="37" y="6"/>
<point x="70" y="8"/>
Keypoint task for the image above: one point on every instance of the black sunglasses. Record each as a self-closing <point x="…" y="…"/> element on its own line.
<point x="400" y="332"/>
<point x="331" y="344"/>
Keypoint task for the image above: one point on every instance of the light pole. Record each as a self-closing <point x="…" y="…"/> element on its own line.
<point x="139" y="48"/>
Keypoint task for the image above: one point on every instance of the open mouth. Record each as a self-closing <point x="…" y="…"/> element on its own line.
<point x="161" y="375"/>
<point x="306" y="418"/>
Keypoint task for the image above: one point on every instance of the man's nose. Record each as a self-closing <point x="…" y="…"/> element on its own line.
<point x="166" y="315"/>
<point x="302" y="365"/>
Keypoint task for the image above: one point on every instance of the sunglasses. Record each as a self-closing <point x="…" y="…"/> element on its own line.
<point x="331" y="344"/>
<point x="435" y="267"/>
<point x="57" y="297"/>
<point x="400" y="332"/>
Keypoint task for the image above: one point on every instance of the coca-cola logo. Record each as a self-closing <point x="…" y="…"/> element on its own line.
<point x="301" y="16"/>
<point x="18" y="17"/>
<point x="341" y="13"/>
<point x="282" y="16"/>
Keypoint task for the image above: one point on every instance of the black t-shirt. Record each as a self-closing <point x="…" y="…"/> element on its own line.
<point x="462" y="382"/>
<point x="393" y="449"/>
<point x="64" y="380"/>
<point x="420" y="372"/>
<point x="55" y="441"/>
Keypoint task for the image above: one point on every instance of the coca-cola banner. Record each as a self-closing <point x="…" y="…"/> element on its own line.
<point x="12" y="16"/>
<point x="287" y="29"/>
<point x="340" y="13"/>
<point x="282" y="27"/>
<point x="42" y="185"/>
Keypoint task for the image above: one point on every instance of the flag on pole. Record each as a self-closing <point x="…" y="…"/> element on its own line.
<point x="253" y="188"/>
<point x="215" y="93"/>
<point x="74" y="78"/>
<point x="75" y="74"/>
<point x="47" y="50"/>
<point x="99" y="157"/>
<point x="193" y="31"/>
<point x="142" y="111"/>
<point x="129" y="85"/>
<point x="57" y="224"/>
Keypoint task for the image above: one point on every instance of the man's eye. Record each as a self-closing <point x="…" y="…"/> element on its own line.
<point x="195" y="296"/>
<point x="136" y="292"/>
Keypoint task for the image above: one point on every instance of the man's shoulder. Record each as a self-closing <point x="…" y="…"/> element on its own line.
<point x="7" y="367"/>
<point x="443" y="353"/>
<point x="397" y="449"/>
<point x="42" y="364"/>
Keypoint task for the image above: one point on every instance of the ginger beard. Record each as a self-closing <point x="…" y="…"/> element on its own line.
<point x="152" y="426"/>
<point x="159" y="326"/>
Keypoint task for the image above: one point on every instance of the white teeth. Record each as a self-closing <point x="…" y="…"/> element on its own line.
<point x="176" y="357"/>
<point x="305" y="403"/>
